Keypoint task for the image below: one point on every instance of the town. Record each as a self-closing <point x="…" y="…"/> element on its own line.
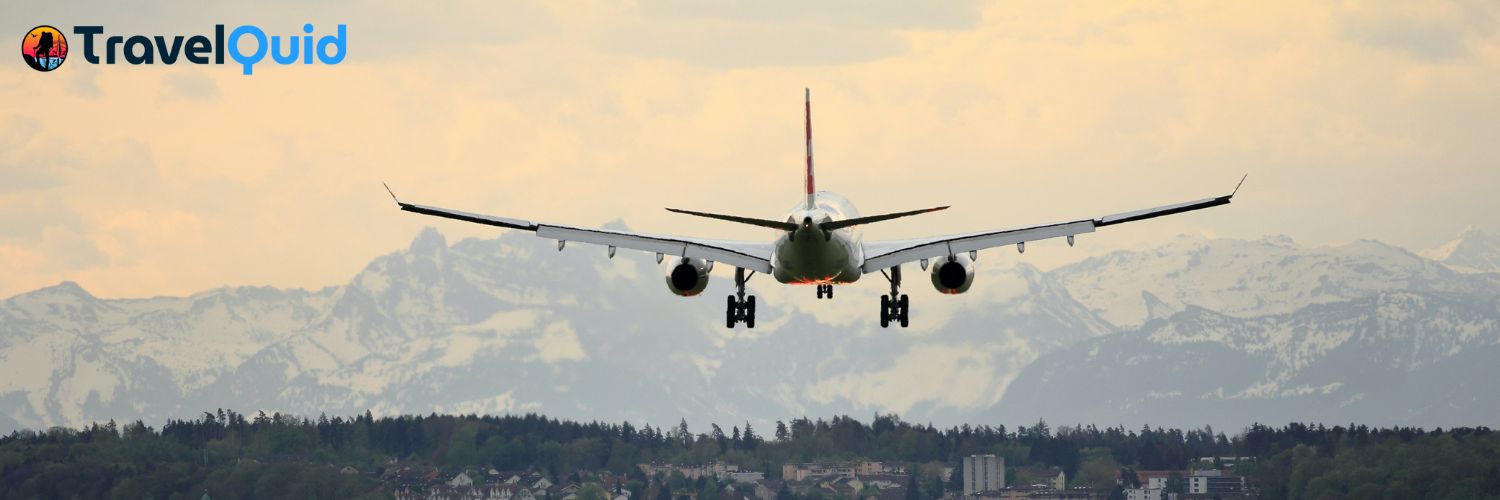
<point x="983" y="477"/>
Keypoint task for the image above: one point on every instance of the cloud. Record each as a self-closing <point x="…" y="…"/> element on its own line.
<point x="17" y="132"/>
<point x="731" y="44"/>
<point x="1428" y="31"/>
<point x="28" y="160"/>
<point x="1021" y="113"/>
<point x="879" y="14"/>
<point x="24" y="220"/>
<point x="69" y="251"/>
<point x="189" y="84"/>
<point x="85" y="84"/>
<point x="731" y="34"/>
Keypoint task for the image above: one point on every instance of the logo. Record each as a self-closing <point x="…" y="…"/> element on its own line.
<point x="44" y="48"/>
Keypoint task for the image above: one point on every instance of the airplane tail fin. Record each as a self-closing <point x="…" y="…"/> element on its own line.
<point x="807" y="115"/>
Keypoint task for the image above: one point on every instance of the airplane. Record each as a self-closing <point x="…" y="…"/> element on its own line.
<point x="819" y="244"/>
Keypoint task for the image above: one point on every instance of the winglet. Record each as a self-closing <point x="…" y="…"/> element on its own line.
<point x="388" y="191"/>
<point x="1237" y="186"/>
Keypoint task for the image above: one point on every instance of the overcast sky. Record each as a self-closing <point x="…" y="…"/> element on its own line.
<point x="1353" y="121"/>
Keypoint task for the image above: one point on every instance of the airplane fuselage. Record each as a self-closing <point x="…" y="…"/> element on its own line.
<point x="811" y="256"/>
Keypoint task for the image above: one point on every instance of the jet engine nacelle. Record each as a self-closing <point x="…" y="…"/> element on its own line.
<point x="953" y="275"/>
<point x="688" y="276"/>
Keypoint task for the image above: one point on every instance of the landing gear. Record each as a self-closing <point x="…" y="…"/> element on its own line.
<point x="894" y="307"/>
<point x="740" y="308"/>
<point x="825" y="291"/>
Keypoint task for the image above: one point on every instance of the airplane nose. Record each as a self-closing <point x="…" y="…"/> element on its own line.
<point x="806" y="221"/>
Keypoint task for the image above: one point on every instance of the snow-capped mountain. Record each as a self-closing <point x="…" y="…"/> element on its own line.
<point x="1395" y="358"/>
<point x="1195" y="331"/>
<point x="1229" y="332"/>
<point x="510" y="325"/>
<point x="1473" y="251"/>
<point x="1272" y="275"/>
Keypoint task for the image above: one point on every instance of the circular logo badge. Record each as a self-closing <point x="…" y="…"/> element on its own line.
<point x="44" y="48"/>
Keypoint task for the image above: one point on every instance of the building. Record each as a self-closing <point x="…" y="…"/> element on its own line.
<point x="741" y="477"/>
<point x="766" y="489"/>
<point x="983" y="473"/>
<point x="804" y="472"/>
<point x="694" y="472"/>
<point x="1214" y="482"/>
<point x="1208" y="482"/>
<point x="1223" y="462"/>
<point x="1049" y="477"/>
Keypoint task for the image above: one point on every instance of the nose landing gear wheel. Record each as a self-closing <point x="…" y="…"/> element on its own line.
<point x="825" y="291"/>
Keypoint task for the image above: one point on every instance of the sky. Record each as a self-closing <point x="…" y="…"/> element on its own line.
<point x="1353" y="120"/>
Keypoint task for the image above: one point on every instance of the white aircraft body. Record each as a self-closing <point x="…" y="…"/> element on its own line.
<point x="819" y="244"/>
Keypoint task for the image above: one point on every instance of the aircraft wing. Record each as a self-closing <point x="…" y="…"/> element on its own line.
<point x="750" y="255"/>
<point x="885" y="254"/>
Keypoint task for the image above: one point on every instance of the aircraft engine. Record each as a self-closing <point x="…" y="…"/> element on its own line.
<point x="688" y="276"/>
<point x="953" y="275"/>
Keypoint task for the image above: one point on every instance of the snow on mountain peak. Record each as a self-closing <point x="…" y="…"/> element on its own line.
<point x="1473" y="251"/>
<point x="1248" y="277"/>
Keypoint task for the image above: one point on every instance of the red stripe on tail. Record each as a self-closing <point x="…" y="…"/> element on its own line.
<point x="807" y="114"/>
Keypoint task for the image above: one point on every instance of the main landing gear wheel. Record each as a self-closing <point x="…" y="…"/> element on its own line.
<point x="750" y="312"/>
<point x="730" y="314"/>
<point x="885" y="311"/>
<point x="896" y="306"/>
<point x="825" y="291"/>
<point x="740" y="308"/>
<point x="904" y="306"/>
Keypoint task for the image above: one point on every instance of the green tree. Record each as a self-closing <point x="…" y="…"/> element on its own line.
<point x="591" y="491"/>
<point x="956" y="480"/>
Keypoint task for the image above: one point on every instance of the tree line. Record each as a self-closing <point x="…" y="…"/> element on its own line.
<point x="230" y="455"/>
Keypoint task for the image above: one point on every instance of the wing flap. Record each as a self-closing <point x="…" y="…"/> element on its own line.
<point x="884" y="254"/>
<point x="749" y="255"/>
<point x="744" y="255"/>
<point x="952" y="245"/>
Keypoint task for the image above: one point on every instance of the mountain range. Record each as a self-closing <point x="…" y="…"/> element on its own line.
<point x="1194" y="331"/>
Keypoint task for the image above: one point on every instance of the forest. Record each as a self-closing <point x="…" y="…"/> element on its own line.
<point x="232" y="455"/>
